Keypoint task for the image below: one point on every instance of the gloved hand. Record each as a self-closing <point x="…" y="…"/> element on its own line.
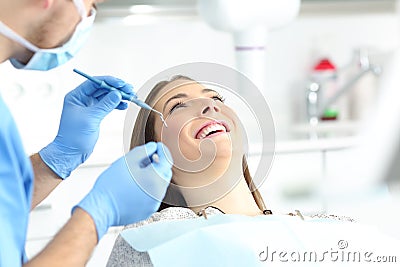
<point x="84" y="108"/>
<point x="131" y="189"/>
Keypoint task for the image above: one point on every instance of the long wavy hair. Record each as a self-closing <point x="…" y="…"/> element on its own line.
<point x="145" y="122"/>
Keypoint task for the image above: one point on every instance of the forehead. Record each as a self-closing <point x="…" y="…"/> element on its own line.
<point x="190" y="88"/>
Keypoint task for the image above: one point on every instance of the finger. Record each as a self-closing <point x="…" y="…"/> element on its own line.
<point x="118" y="84"/>
<point x="113" y="81"/>
<point x="108" y="103"/>
<point x="141" y="155"/>
<point x="87" y="88"/>
<point x="99" y="93"/>
<point x="122" y="106"/>
<point x="90" y="88"/>
<point x="128" y="88"/>
<point x="165" y="157"/>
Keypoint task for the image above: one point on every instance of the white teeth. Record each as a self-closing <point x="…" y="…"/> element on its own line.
<point x="209" y="129"/>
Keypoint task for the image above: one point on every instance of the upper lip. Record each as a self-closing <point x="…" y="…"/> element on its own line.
<point x="209" y="123"/>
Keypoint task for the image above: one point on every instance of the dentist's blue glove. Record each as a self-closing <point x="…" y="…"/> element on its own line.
<point x="131" y="189"/>
<point x="84" y="109"/>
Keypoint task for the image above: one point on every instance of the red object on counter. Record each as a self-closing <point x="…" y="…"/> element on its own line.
<point x="324" y="64"/>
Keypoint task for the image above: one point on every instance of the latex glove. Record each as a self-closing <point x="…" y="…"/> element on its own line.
<point x="131" y="189"/>
<point x="84" y="108"/>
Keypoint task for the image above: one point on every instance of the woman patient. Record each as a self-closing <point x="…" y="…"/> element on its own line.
<point x="210" y="174"/>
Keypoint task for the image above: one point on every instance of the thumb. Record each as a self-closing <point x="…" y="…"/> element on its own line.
<point x="109" y="102"/>
<point x="140" y="155"/>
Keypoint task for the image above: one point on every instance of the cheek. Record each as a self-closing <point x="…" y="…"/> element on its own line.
<point x="169" y="134"/>
<point x="68" y="20"/>
<point x="179" y="141"/>
<point x="238" y="135"/>
<point x="189" y="148"/>
<point x="176" y="138"/>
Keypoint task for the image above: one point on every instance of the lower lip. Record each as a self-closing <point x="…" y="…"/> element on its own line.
<point x="214" y="134"/>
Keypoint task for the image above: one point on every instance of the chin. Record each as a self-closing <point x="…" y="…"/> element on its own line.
<point x="220" y="146"/>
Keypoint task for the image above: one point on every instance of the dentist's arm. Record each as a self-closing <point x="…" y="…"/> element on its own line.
<point x="130" y="190"/>
<point x="72" y="246"/>
<point x="45" y="180"/>
<point x="84" y="109"/>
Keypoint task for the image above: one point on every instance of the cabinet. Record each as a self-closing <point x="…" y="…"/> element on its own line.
<point x="293" y="183"/>
<point x="299" y="172"/>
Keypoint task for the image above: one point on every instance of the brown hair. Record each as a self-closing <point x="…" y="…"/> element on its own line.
<point x="146" y="119"/>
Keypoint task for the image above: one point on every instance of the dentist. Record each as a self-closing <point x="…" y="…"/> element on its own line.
<point x="41" y="35"/>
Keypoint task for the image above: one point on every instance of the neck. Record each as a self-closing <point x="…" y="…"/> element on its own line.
<point x="10" y="49"/>
<point x="236" y="199"/>
<point x="18" y="22"/>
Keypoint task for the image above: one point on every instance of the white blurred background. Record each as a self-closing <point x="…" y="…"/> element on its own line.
<point x="347" y="166"/>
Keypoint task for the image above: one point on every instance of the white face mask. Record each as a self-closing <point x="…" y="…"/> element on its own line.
<point x="46" y="59"/>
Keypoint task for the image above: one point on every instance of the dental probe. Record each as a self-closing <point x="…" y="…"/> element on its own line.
<point x="148" y="160"/>
<point x="125" y="96"/>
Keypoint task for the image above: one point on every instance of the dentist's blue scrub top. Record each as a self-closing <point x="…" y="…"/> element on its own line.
<point x="16" y="185"/>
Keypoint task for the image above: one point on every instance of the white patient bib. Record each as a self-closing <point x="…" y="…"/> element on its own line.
<point x="237" y="240"/>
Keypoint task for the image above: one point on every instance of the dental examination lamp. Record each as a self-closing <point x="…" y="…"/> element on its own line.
<point x="249" y="21"/>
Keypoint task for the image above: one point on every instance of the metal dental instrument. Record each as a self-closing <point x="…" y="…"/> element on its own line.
<point x="155" y="158"/>
<point x="125" y="96"/>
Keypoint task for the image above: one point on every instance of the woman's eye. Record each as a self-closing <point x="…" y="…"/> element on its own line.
<point x="174" y="107"/>
<point x="219" y="98"/>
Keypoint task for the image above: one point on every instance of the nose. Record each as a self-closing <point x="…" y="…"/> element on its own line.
<point x="209" y="107"/>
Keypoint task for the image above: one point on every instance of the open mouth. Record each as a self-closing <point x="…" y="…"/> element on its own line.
<point x="212" y="128"/>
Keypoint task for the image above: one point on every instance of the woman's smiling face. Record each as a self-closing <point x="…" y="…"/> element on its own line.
<point x="202" y="131"/>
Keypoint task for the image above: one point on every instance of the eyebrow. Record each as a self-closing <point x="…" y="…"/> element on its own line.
<point x="182" y="95"/>
<point x="206" y="90"/>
